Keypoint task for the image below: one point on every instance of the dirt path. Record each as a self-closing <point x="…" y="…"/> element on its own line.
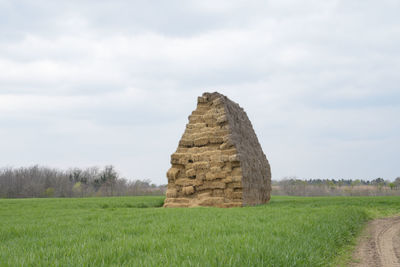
<point x="380" y="244"/>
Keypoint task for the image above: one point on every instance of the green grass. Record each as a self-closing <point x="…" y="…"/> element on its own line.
<point x="134" y="231"/>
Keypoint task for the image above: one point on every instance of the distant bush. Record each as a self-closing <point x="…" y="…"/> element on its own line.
<point x="39" y="181"/>
<point x="49" y="192"/>
<point x="330" y="187"/>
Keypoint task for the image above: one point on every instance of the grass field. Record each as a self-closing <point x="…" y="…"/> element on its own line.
<point x="289" y="231"/>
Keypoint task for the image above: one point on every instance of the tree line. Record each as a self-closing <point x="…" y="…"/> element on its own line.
<point x="38" y="181"/>
<point x="336" y="187"/>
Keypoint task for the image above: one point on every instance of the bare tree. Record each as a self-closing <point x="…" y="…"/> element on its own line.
<point x="39" y="181"/>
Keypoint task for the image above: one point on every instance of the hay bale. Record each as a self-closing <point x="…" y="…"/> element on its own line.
<point x="219" y="161"/>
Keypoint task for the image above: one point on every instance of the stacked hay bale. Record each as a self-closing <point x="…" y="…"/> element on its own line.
<point x="219" y="161"/>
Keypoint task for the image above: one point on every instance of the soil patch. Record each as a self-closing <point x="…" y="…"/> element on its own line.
<point x="379" y="244"/>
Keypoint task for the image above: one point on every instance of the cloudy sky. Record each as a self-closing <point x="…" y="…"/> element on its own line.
<point x="90" y="83"/>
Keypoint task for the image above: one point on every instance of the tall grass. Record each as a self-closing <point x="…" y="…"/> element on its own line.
<point x="289" y="231"/>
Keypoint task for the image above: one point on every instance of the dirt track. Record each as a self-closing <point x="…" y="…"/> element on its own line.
<point x="379" y="244"/>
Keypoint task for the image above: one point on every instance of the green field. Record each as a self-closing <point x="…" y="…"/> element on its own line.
<point x="135" y="231"/>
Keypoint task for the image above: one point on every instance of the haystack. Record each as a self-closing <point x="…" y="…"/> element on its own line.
<point x="219" y="161"/>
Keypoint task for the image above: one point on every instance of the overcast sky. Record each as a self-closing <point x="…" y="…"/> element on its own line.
<point x="90" y="83"/>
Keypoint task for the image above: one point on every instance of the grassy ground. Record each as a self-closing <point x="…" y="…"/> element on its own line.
<point x="289" y="231"/>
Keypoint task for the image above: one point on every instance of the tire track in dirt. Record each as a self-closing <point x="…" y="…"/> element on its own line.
<point x="379" y="244"/>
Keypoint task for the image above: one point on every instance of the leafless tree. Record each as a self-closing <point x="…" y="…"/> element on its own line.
<point x="36" y="181"/>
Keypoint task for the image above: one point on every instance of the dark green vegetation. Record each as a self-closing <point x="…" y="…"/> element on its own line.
<point x="290" y="231"/>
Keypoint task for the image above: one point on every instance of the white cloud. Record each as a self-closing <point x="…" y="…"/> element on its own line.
<point x="84" y="84"/>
